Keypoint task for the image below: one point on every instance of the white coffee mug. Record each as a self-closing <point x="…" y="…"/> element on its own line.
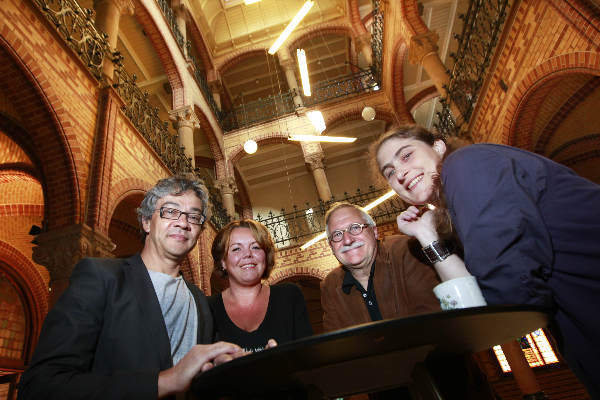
<point x="461" y="292"/>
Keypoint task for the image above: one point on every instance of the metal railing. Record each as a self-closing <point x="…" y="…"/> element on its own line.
<point x="290" y="228"/>
<point x="483" y="23"/>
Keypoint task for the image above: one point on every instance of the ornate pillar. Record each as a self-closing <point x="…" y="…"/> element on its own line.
<point x="521" y="370"/>
<point x="289" y="65"/>
<point x="185" y="120"/>
<point x="363" y="45"/>
<point x="108" y="14"/>
<point x="59" y="250"/>
<point x="228" y="188"/>
<point x="316" y="163"/>
<point x="424" y="50"/>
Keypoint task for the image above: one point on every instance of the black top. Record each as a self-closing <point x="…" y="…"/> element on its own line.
<point x="368" y="295"/>
<point x="286" y="320"/>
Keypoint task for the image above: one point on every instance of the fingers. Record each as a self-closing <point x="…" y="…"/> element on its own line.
<point x="271" y="343"/>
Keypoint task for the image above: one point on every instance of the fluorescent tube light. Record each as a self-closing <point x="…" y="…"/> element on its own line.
<point x="291" y="26"/>
<point x="316" y="118"/>
<point x="303" y="71"/>
<point x="319" y="138"/>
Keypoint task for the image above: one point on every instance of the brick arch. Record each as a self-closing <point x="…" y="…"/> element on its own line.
<point x="399" y="54"/>
<point x="163" y="52"/>
<point x="357" y="23"/>
<point x="353" y="115"/>
<point x="216" y="146"/>
<point x="412" y="17"/>
<point x="33" y="288"/>
<point x="236" y="57"/>
<point x="321" y="29"/>
<point x="122" y="189"/>
<point x="266" y="138"/>
<point x="421" y="97"/>
<point x="535" y="83"/>
<point x="280" y="274"/>
<point x="44" y="134"/>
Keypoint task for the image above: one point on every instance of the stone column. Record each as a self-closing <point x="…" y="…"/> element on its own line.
<point x="185" y="120"/>
<point x="521" y="370"/>
<point x="228" y="188"/>
<point x="363" y="45"/>
<point x="108" y="14"/>
<point x="316" y="163"/>
<point x="423" y="50"/>
<point x="59" y="250"/>
<point x="289" y="67"/>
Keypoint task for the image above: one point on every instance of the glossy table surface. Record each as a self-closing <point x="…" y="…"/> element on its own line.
<point x="369" y="356"/>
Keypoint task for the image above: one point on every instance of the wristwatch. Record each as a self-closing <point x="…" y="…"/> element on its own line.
<point x="436" y="252"/>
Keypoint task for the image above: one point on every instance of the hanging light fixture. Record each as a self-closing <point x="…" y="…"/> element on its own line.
<point x="250" y="146"/>
<point x="316" y="118"/>
<point x="301" y="54"/>
<point x="368" y="113"/>
<point x="291" y="26"/>
<point x="319" y="138"/>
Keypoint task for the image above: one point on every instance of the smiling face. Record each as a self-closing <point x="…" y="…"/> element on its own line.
<point x="410" y="166"/>
<point x="354" y="252"/>
<point x="245" y="259"/>
<point x="168" y="239"/>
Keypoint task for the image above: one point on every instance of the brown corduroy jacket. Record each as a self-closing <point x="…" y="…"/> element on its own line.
<point x="403" y="286"/>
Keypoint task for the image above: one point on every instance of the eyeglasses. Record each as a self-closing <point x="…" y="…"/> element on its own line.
<point x="354" y="229"/>
<point x="173" y="213"/>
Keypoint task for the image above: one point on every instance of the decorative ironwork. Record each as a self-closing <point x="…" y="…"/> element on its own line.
<point x="359" y="82"/>
<point x="145" y="118"/>
<point x="377" y="39"/>
<point x="292" y="227"/>
<point x="476" y="44"/>
<point x="259" y="111"/>
<point x="204" y="88"/>
<point x="172" y="21"/>
<point x="76" y="25"/>
<point x="219" y="216"/>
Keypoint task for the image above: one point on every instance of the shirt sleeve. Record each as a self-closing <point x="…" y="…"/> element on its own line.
<point x="331" y="317"/>
<point x="492" y="198"/>
<point x="61" y="365"/>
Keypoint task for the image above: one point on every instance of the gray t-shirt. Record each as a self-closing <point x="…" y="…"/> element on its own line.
<point x="179" y="312"/>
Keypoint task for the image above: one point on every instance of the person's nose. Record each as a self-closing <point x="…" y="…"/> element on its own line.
<point x="182" y="221"/>
<point x="347" y="238"/>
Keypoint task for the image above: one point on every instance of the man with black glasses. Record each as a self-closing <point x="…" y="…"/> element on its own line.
<point x="381" y="279"/>
<point x="132" y="328"/>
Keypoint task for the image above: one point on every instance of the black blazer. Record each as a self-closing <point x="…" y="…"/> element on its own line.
<point x="105" y="338"/>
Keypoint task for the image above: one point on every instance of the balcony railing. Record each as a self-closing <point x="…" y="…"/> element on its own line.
<point x="76" y="26"/>
<point x="290" y="228"/>
<point x="476" y="44"/>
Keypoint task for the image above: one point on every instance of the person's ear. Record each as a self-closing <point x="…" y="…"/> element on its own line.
<point x="375" y="232"/>
<point x="439" y="146"/>
<point x="223" y="265"/>
<point x="146" y="224"/>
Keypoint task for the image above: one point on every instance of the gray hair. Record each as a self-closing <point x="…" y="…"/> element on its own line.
<point x="172" y="186"/>
<point x="344" y="204"/>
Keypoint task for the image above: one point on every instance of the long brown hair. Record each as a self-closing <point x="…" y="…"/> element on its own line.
<point x="443" y="221"/>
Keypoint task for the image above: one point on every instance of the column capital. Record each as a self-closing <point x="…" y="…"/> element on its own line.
<point x="59" y="250"/>
<point x="226" y="185"/>
<point x="124" y="6"/>
<point x="421" y="46"/>
<point x="315" y="161"/>
<point x="184" y="117"/>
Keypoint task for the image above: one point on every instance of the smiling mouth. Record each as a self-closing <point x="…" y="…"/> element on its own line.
<point x="248" y="266"/>
<point x="414" y="182"/>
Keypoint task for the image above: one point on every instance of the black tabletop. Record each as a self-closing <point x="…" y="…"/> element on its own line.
<point x="368" y="356"/>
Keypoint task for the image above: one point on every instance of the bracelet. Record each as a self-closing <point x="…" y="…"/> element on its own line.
<point x="436" y="252"/>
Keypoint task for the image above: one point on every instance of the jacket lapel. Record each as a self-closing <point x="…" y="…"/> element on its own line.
<point x="151" y="314"/>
